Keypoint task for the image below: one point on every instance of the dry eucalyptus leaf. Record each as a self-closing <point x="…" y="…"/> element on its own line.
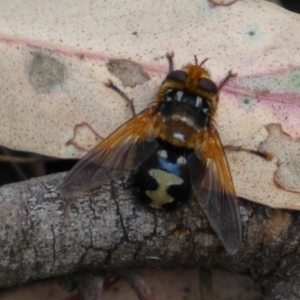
<point x="55" y="57"/>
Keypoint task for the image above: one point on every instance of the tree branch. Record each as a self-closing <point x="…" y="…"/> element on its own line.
<point x="43" y="235"/>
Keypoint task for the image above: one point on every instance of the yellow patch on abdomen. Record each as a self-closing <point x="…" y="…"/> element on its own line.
<point x="164" y="179"/>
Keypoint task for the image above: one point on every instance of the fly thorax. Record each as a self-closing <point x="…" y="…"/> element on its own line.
<point x="185" y="108"/>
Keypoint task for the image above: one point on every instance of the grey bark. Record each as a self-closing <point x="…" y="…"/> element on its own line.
<point x="43" y="235"/>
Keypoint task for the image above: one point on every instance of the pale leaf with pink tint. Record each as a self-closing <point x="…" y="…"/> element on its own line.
<point x="56" y="56"/>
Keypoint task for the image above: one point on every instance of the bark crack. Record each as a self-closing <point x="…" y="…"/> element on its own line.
<point x="91" y="206"/>
<point x="25" y="237"/>
<point x="114" y="197"/>
<point x="111" y="251"/>
<point x="138" y="249"/>
<point x="91" y="237"/>
<point x="54" y="244"/>
<point x="36" y="257"/>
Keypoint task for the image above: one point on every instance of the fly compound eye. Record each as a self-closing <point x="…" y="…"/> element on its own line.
<point x="207" y="85"/>
<point x="177" y="75"/>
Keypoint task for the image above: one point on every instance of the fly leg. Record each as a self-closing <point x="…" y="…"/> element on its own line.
<point x="112" y="86"/>
<point x="264" y="155"/>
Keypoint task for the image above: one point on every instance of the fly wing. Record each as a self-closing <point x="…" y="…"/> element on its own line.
<point x="124" y="150"/>
<point x="213" y="187"/>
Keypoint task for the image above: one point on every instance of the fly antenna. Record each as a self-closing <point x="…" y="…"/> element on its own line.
<point x="203" y="62"/>
<point x="196" y="59"/>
